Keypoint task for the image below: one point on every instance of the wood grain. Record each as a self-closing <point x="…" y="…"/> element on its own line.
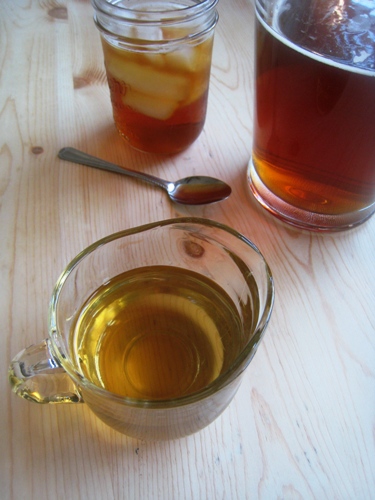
<point x="302" y="425"/>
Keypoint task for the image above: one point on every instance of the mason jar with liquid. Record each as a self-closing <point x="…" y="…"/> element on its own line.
<point x="157" y="56"/>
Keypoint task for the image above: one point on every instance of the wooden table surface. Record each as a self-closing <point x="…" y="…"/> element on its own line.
<point x="303" y="422"/>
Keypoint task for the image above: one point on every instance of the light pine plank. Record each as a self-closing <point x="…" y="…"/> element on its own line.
<point x="302" y="425"/>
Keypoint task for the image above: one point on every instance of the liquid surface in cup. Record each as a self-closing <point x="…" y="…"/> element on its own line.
<point x="159" y="99"/>
<point x="156" y="333"/>
<point x="314" y="128"/>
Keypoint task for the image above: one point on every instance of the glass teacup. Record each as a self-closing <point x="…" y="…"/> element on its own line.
<point x="152" y="327"/>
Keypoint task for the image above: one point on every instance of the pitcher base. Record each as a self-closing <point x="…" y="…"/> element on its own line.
<point x="303" y="219"/>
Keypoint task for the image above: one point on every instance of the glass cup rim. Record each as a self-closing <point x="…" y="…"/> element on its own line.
<point x="238" y="365"/>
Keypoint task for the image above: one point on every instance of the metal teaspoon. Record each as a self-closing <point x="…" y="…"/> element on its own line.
<point x="196" y="190"/>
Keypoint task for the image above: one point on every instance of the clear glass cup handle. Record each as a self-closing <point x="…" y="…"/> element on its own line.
<point x="36" y="376"/>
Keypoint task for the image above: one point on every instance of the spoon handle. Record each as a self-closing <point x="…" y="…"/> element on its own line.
<point x="76" y="156"/>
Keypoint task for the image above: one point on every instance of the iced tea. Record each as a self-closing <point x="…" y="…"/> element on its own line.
<point x="159" y="99"/>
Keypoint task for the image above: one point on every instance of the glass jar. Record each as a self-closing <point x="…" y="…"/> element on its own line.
<point x="157" y="56"/>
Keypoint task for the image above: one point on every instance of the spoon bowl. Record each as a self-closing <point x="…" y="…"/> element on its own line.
<point x="195" y="190"/>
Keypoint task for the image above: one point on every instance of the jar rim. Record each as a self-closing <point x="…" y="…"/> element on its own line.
<point x="117" y="22"/>
<point x="184" y="9"/>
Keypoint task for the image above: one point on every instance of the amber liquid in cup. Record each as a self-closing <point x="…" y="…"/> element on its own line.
<point x="159" y="99"/>
<point x="157" y="333"/>
<point x="314" y="137"/>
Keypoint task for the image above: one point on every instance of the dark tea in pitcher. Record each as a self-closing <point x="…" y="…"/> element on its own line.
<point x="314" y="126"/>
